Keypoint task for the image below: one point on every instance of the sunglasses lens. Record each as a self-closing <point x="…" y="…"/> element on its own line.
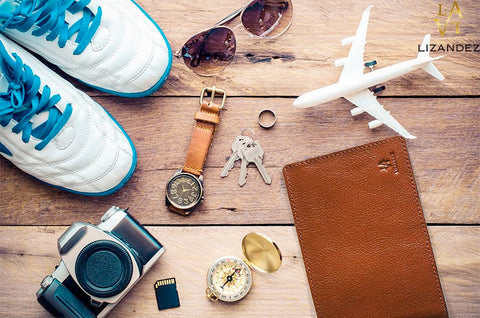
<point x="267" y="18"/>
<point x="209" y="52"/>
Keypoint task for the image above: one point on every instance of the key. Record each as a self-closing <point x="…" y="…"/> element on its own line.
<point x="242" y="177"/>
<point x="235" y="156"/>
<point x="254" y="154"/>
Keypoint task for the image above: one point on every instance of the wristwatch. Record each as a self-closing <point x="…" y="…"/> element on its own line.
<point x="184" y="190"/>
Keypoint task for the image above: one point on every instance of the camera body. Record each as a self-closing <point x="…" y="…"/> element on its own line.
<point x="99" y="266"/>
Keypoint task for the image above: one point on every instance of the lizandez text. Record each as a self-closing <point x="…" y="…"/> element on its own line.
<point x="449" y="48"/>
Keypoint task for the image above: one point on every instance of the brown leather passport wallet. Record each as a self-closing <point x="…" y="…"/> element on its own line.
<point x="363" y="235"/>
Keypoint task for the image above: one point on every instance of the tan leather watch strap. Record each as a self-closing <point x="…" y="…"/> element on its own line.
<point x="207" y="119"/>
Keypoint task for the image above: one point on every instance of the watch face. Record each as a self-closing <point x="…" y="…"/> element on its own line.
<point x="184" y="191"/>
<point x="229" y="278"/>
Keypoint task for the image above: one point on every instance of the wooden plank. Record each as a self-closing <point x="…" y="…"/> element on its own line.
<point x="29" y="253"/>
<point x="445" y="158"/>
<point x="302" y="59"/>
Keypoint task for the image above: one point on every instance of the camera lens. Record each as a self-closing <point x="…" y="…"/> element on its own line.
<point x="103" y="268"/>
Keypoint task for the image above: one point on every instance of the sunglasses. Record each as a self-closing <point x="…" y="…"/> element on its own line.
<point x="209" y="52"/>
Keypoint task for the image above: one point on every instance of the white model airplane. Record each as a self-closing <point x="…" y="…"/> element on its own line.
<point x="353" y="85"/>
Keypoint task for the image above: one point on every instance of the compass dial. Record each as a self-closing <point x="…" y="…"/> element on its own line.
<point x="229" y="278"/>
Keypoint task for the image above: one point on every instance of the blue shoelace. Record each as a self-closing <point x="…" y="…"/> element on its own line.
<point x="23" y="100"/>
<point x="49" y="16"/>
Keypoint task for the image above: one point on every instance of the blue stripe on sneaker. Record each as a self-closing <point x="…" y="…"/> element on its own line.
<point x="160" y="82"/>
<point x="5" y="150"/>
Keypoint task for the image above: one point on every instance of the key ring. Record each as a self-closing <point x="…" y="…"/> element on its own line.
<point x="263" y="118"/>
<point x="247" y="130"/>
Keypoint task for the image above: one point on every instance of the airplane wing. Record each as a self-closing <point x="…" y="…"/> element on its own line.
<point x="354" y="64"/>
<point x="369" y="103"/>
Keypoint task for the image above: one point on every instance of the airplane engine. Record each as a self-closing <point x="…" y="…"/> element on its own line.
<point x="347" y="41"/>
<point x="357" y="111"/>
<point x="340" y="62"/>
<point x="375" y="123"/>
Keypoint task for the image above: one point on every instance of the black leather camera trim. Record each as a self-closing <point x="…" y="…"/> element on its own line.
<point x="61" y="302"/>
<point x="139" y="239"/>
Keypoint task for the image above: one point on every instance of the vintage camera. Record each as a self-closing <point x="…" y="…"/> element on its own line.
<point x="99" y="265"/>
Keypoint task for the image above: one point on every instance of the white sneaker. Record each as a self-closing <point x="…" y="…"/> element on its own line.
<point x="56" y="133"/>
<point x="111" y="45"/>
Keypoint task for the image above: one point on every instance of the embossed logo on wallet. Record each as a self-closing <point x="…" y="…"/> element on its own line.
<point x="387" y="164"/>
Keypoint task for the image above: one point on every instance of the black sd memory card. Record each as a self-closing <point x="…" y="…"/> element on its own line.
<point x="166" y="292"/>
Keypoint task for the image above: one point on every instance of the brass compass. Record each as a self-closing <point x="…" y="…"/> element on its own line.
<point x="230" y="278"/>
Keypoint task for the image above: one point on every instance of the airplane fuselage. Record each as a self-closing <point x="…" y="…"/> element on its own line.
<point x="346" y="87"/>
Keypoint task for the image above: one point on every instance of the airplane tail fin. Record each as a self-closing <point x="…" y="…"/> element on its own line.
<point x="424" y="54"/>
<point x="432" y="70"/>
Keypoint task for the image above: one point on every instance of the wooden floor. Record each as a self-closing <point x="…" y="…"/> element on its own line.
<point x="269" y="74"/>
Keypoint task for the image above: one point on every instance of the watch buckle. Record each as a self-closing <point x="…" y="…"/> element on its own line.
<point x="213" y="91"/>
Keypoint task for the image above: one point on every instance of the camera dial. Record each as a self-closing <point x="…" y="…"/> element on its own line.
<point x="111" y="212"/>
